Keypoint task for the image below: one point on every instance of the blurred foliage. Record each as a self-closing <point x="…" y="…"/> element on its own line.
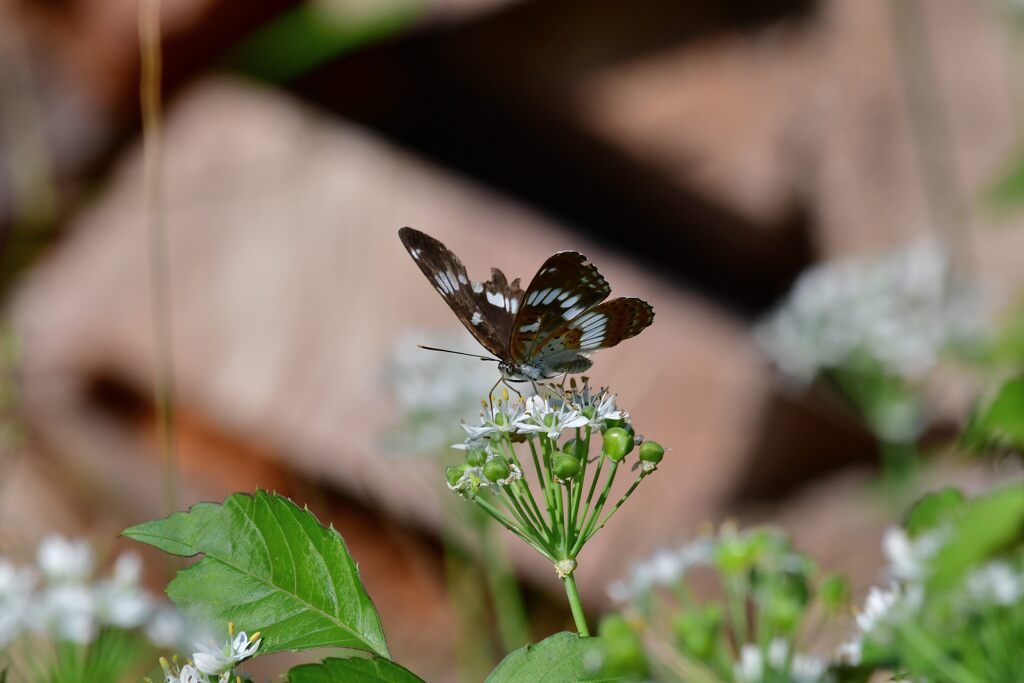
<point x="315" y="32"/>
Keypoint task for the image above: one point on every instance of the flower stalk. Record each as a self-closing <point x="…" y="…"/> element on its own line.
<point x="546" y="507"/>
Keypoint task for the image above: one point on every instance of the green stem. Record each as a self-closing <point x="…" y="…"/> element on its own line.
<point x="627" y="494"/>
<point x="505" y="522"/>
<point x="596" y="512"/>
<point x="576" y="606"/>
<point x="514" y="509"/>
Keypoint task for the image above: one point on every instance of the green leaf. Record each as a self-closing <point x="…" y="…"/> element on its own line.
<point x="352" y="670"/>
<point x="1000" y="423"/>
<point x="986" y="526"/>
<point x="271" y="567"/>
<point x="933" y="510"/>
<point x="556" y="659"/>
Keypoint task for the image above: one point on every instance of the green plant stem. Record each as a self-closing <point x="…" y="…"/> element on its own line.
<point x="514" y="509"/>
<point x="506" y="444"/>
<point x="576" y="606"/>
<point x="590" y="533"/>
<point x="579" y="483"/>
<point x="596" y="512"/>
<point x="736" y="596"/>
<point x="507" y="523"/>
<point x="159" y="267"/>
<point x="513" y="623"/>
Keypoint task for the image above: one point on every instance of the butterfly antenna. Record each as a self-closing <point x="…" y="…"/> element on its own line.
<point x="458" y="353"/>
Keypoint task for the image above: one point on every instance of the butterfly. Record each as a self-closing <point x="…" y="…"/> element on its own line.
<point x="550" y="329"/>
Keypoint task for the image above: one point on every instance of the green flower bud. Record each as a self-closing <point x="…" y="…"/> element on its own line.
<point x="614" y="422"/>
<point x="476" y="457"/>
<point x="497" y="468"/>
<point x="453" y="473"/>
<point x="735" y="555"/>
<point x="782" y="612"/>
<point x="651" y="451"/>
<point x="698" y="631"/>
<point x="617" y="443"/>
<point x="575" y="447"/>
<point x="565" y="466"/>
<point x="589" y="412"/>
<point x="835" y="594"/>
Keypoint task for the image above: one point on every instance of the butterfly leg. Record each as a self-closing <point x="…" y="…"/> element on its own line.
<point x="514" y="390"/>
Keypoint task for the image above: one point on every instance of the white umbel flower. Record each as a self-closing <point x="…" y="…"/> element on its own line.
<point x="63" y="560"/>
<point x="544" y="416"/>
<point x="750" y="668"/>
<point x="996" y="583"/>
<point x="214" y="660"/>
<point x="16" y="586"/>
<point x="909" y="557"/>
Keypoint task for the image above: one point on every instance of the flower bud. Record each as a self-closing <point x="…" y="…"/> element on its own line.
<point x="615" y="422"/>
<point x="565" y="466"/>
<point x="497" y="469"/>
<point x="576" y="448"/>
<point x="617" y="443"/>
<point x="476" y="457"/>
<point x="652" y="452"/>
<point x="453" y="473"/>
<point x="835" y="594"/>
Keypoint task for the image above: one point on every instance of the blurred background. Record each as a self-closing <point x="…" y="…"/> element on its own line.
<point x="253" y="291"/>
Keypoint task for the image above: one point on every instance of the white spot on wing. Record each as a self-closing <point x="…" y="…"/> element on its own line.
<point x="550" y="297"/>
<point x="570" y="301"/>
<point x="573" y="312"/>
<point x="532" y="327"/>
<point x="415" y="253"/>
<point x="477" y="287"/>
<point x="513" y="305"/>
<point x="496" y="299"/>
<point x="463" y="279"/>
<point x="477" y="318"/>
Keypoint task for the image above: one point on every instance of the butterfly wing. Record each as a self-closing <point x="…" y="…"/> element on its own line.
<point x="564" y="287"/>
<point x="601" y="327"/>
<point x="486" y="309"/>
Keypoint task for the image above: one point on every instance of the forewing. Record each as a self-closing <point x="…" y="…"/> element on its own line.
<point x="486" y="309"/>
<point x="565" y="286"/>
<point x="600" y="327"/>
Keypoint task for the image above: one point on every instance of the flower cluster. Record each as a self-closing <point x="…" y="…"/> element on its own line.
<point x="896" y="313"/>
<point x="986" y="597"/>
<point x="770" y="595"/>
<point x="557" y="427"/>
<point x="214" y="662"/>
<point x="60" y="598"/>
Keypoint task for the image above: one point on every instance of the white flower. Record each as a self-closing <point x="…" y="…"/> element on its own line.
<point x="807" y="669"/>
<point x="898" y="310"/>
<point x="750" y="668"/>
<point x="778" y="653"/>
<point x="16" y="586"/>
<point x="543" y="416"/>
<point x="120" y="600"/>
<point x="665" y="568"/>
<point x="63" y="560"/>
<point x="214" y="660"/>
<point x="886" y="607"/>
<point x="850" y="652"/>
<point x="166" y="628"/>
<point x="996" y="583"/>
<point x="498" y="417"/>
<point x="67" y="612"/>
<point x="909" y="558"/>
<point x="601" y="403"/>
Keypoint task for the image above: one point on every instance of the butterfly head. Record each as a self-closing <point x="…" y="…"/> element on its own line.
<point x="520" y="372"/>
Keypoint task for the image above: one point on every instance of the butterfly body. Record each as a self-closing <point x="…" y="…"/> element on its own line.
<point x="548" y="330"/>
